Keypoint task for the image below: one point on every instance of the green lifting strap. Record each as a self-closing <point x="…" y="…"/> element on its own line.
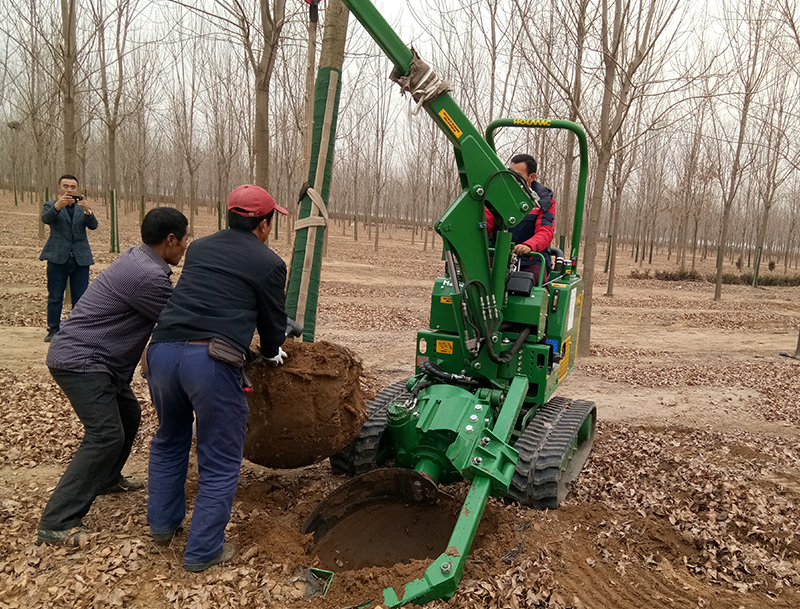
<point x="303" y="291"/>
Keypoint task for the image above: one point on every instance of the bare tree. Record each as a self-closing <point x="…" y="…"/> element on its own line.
<point x="139" y="132"/>
<point x="634" y="42"/>
<point x="261" y="56"/>
<point x="564" y="64"/>
<point x="114" y="28"/>
<point x="272" y="19"/>
<point x="775" y="167"/>
<point x="596" y="63"/>
<point x="289" y="165"/>
<point x="260" y="36"/>
<point x="225" y="138"/>
<point x="34" y="92"/>
<point x="793" y="211"/>
<point x="68" y="88"/>
<point x="575" y="100"/>
<point x="749" y="58"/>
<point x="476" y="50"/>
<point x="623" y="165"/>
<point x="691" y="168"/>
<point x="381" y="151"/>
<point x="185" y="99"/>
<point x="352" y="137"/>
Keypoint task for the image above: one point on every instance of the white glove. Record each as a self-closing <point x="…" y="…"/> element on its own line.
<point x="277" y="360"/>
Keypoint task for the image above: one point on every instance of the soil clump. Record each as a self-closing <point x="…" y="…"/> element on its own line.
<point x="307" y="409"/>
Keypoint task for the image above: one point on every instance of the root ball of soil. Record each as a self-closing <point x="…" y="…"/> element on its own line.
<point x="305" y="410"/>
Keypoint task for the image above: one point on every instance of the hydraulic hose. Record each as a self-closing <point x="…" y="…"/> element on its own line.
<point x="434" y="371"/>
<point x="424" y="384"/>
<point x="512" y="352"/>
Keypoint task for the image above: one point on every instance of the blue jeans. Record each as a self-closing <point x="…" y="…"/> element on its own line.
<point x="57" y="277"/>
<point x="185" y="383"/>
<point x="110" y="414"/>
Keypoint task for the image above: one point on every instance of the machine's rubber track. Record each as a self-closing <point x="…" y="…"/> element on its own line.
<point x="367" y="450"/>
<point x="542" y="478"/>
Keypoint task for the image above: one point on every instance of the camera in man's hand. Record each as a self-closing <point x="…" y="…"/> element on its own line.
<point x="77" y="198"/>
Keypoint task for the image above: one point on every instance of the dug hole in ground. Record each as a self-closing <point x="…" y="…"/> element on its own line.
<point x="689" y="498"/>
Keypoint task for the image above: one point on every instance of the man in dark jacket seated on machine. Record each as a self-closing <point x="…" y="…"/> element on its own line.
<point x="535" y="232"/>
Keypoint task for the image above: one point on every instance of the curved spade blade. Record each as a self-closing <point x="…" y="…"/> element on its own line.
<point x="378" y="487"/>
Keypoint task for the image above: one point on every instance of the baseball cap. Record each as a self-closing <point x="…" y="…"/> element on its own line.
<point x="253" y="201"/>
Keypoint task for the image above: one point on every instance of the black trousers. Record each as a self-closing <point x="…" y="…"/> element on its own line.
<point x="57" y="277"/>
<point x="110" y="415"/>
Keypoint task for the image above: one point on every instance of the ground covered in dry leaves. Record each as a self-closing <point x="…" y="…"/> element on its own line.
<point x="689" y="499"/>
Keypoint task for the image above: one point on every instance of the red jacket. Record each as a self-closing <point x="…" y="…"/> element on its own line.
<point x="537" y="228"/>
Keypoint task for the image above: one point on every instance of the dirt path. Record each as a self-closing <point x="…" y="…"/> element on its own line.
<point x="690" y="497"/>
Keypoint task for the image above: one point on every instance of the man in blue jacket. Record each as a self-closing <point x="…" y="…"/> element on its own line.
<point x="67" y="249"/>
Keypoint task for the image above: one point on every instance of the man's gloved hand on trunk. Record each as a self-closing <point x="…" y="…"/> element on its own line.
<point x="276" y="360"/>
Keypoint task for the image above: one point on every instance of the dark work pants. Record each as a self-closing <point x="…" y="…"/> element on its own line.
<point x="186" y="383"/>
<point x="57" y="277"/>
<point x="110" y="415"/>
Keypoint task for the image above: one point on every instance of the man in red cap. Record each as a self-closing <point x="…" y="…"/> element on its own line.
<point x="231" y="285"/>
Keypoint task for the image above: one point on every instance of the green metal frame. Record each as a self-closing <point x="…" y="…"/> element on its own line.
<point x="489" y="462"/>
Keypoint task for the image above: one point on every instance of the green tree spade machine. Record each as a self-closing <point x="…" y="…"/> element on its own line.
<point x="480" y="407"/>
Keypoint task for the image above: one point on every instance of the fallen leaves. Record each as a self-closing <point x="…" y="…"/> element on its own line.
<point x="39" y="424"/>
<point x="718" y="509"/>
<point x="375" y="317"/>
<point x="776" y="384"/>
<point x="531" y="583"/>
<point x="734" y="527"/>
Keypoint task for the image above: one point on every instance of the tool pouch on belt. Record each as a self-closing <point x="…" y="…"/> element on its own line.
<point x="222" y="351"/>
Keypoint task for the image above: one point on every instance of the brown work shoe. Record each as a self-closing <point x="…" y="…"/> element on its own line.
<point x="124" y="485"/>
<point x="228" y="550"/>
<point x="70" y="537"/>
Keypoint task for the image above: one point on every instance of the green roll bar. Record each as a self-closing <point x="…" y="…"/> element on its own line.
<point x="584" y="168"/>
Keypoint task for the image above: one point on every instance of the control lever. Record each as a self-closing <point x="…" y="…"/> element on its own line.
<point x="293" y="329"/>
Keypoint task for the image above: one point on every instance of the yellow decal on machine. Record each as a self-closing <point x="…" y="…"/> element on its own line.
<point x="444" y="346"/>
<point x="446" y="300"/>
<point x="528" y="122"/>
<point x="563" y="367"/>
<point x="559" y="285"/>
<point x="451" y="124"/>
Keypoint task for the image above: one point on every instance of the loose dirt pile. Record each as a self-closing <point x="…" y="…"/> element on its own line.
<point x="307" y="409"/>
